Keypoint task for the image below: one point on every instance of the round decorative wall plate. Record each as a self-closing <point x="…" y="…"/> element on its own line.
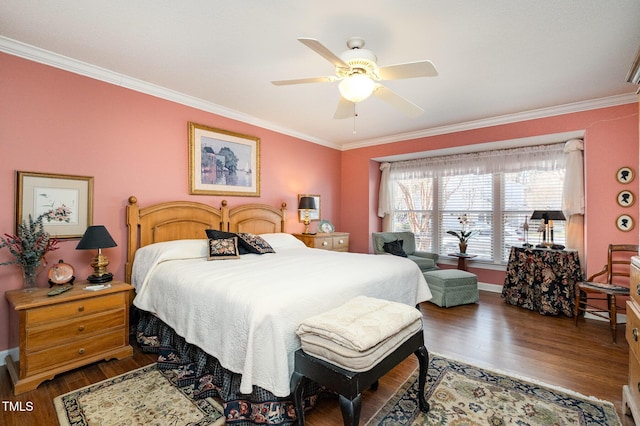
<point x="625" y="175"/>
<point x="626" y="198"/>
<point x="624" y="222"/>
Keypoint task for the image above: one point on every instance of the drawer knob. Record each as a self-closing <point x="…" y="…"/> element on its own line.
<point x="81" y="328"/>
<point x="81" y="351"/>
<point x="81" y="309"/>
<point x="341" y="241"/>
<point x="638" y="289"/>
<point x="324" y="243"/>
<point x="635" y="334"/>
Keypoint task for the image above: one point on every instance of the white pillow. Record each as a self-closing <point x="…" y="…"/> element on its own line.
<point x="149" y="256"/>
<point x="181" y="249"/>
<point x="282" y="240"/>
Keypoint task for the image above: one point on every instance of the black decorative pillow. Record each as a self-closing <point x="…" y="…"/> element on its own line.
<point x="215" y="234"/>
<point x="223" y="248"/>
<point x="395" y="248"/>
<point x="254" y="243"/>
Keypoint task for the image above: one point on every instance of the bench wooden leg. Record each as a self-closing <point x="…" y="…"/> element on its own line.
<point x="423" y="359"/>
<point x="349" y="384"/>
<point x="296" y="394"/>
<point x="350" y="410"/>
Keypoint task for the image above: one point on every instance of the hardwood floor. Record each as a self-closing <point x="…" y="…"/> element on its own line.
<point x="490" y="334"/>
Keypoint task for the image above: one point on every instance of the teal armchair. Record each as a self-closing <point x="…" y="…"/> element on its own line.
<point x="425" y="260"/>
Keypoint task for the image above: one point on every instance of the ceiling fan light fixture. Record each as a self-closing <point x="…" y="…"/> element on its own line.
<point x="356" y="87"/>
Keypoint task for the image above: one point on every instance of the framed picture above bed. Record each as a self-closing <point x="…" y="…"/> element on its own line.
<point x="66" y="201"/>
<point x="223" y="162"/>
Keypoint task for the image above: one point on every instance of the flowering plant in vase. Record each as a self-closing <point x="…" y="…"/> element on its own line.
<point x="28" y="247"/>
<point x="463" y="235"/>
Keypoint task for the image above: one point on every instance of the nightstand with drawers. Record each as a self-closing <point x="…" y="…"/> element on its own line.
<point x="67" y="331"/>
<point x="335" y="241"/>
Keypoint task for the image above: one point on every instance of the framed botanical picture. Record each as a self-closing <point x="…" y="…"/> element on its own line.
<point x="625" y="175"/>
<point x="626" y="198"/>
<point x="223" y="162"/>
<point x="314" y="215"/>
<point x="624" y="222"/>
<point x="64" y="201"/>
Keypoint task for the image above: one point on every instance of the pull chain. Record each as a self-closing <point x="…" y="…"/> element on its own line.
<point x="355" y="114"/>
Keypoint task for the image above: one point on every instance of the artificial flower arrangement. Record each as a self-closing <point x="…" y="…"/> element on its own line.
<point x="29" y="246"/>
<point x="463" y="235"/>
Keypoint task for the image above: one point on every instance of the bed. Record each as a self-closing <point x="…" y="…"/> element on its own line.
<point x="228" y="326"/>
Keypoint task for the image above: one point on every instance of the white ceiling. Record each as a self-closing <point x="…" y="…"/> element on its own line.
<point x="495" y="58"/>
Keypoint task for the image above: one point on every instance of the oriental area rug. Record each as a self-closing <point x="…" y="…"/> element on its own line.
<point x="462" y="394"/>
<point x="145" y="396"/>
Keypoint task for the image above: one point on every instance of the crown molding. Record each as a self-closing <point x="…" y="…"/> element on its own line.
<point x="32" y="53"/>
<point x="610" y="101"/>
<point x="36" y="54"/>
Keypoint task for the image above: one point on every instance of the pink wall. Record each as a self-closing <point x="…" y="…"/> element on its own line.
<point x="132" y="144"/>
<point x="611" y="142"/>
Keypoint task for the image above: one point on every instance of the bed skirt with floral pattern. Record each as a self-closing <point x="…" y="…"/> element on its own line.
<point x="210" y="379"/>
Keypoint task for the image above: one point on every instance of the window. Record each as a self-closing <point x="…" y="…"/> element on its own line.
<point x="498" y="190"/>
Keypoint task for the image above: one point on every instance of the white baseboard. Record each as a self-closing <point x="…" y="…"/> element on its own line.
<point x="622" y="318"/>
<point x="14" y="352"/>
<point x="495" y="288"/>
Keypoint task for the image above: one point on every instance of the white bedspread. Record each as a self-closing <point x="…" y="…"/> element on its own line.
<point x="245" y="312"/>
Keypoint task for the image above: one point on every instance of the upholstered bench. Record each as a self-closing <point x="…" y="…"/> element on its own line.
<point x="348" y="349"/>
<point x="452" y="287"/>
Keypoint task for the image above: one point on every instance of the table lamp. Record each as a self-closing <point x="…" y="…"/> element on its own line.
<point x="306" y="204"/>
<point x="97" y="237"/>
<point x="548" y="216"/>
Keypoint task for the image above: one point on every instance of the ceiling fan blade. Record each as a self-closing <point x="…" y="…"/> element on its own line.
<point x="346" y="109"/>
<point x="408" y="70"/>
<point x="319" y="48"/>
<point x="392" y="98"/>
<point x="329" y="79"/>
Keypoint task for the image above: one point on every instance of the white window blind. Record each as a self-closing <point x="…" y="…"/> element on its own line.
<point x="497" y="190"/>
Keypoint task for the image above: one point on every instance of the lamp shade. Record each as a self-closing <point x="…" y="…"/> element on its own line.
<point x="548" y="215"/>
<point x="356" y="87"/>
<point x="307" y="203"/>
<point x="96" y="237"/>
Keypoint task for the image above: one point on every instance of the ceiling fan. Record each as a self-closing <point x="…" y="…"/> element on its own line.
<point x="360" y="76"/>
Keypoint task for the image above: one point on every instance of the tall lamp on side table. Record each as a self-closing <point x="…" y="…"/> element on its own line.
<point x="97" y="237"/>
<point x="306" y="204"/>
<point x="548" y="216"/>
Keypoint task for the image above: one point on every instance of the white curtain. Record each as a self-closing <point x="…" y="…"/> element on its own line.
<point x="539" y="157"/>
<point x="573" y="197"/>
<point x="385" y="201"/>
<point x="385" y="204"/>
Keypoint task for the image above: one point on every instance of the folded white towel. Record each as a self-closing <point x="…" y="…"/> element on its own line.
<point x="361" y="323"/>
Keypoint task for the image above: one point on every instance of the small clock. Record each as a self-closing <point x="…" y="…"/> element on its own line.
<point x="325" y="227"/>
<point x="61" y="273"/>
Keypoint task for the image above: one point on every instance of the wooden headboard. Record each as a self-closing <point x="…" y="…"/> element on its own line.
<point x="186" y="220"/>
